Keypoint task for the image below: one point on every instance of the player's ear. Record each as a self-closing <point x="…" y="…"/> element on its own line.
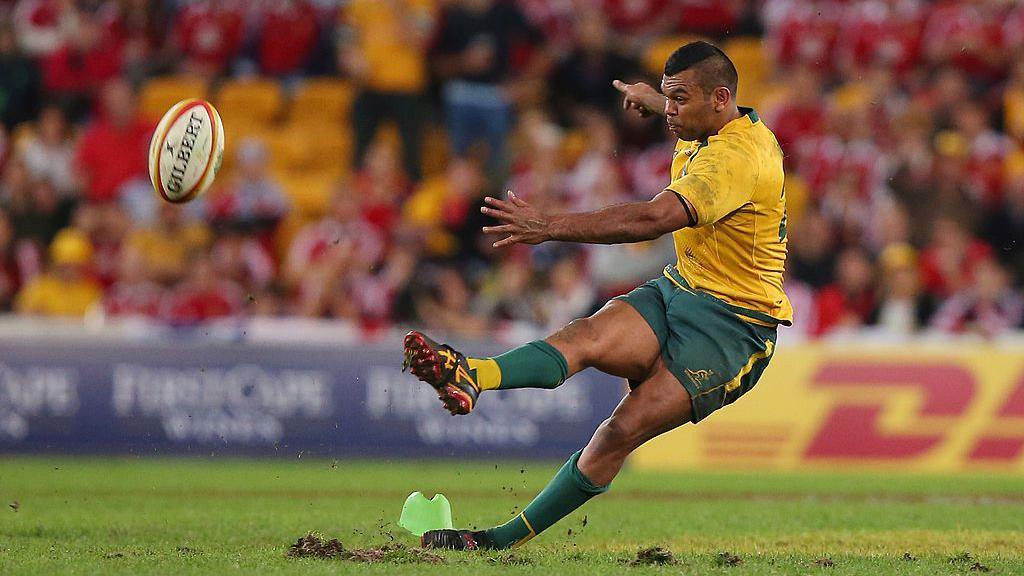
<point x="721" y="96"/>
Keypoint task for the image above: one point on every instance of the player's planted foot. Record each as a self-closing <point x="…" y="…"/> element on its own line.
<point x="456" y="540"/>
<point x="445" y="369"/>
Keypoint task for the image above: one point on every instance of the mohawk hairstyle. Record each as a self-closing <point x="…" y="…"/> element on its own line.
<point x="713" y="67"/>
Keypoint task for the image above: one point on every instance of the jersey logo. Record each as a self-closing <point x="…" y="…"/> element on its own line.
<point x="699" y="377"/>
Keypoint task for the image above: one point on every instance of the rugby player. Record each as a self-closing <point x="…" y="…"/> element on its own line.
<point x="688" y="342"/>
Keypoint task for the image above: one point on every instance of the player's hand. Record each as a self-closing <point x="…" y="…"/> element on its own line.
<point x="640" y="97"/>
<point x="523" y="224"/>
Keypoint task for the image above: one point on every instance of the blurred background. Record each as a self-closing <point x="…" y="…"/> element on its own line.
<point x="362" y="136"/>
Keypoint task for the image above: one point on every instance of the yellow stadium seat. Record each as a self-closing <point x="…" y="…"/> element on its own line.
<point x="310" y="192"/>
<point x="249" y="101"/>
<point x="162" y="92"/>
<point x="321" y="101"/>
<point x="752" y="63"/>
<point x="657" y="52"/>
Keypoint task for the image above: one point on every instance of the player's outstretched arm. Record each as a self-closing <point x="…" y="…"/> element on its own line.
<point x="640" y="97"/>
<point x="618" y="224"/>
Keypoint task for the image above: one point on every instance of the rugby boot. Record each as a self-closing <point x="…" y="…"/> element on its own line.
<point x="449" y="539"/>
<point x="445" y="369"/>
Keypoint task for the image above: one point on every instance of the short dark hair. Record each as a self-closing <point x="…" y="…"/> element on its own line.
<point x="714" y="68"/>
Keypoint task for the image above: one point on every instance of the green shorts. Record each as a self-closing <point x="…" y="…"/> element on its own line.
<point x="711" y="350"/>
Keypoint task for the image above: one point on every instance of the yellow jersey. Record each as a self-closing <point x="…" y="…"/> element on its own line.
<point x="736" y="249"/>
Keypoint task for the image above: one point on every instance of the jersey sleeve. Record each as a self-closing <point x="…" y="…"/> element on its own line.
<point x="718" y="180"/>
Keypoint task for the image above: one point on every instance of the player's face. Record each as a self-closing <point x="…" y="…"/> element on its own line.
<point x="689" y="112"/>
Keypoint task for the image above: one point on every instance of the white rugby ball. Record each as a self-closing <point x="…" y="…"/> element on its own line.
<point x="186" y="150"/>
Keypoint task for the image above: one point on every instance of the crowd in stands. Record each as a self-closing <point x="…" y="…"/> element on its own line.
<point x="362" y="136"/>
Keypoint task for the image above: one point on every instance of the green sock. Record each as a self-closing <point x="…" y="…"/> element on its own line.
<point x="567" y="491"/>
<point x="534" y="365"/>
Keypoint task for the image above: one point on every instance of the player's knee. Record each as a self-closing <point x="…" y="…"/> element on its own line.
<point x="620" y="434"/>
<point x="583" y="337"/>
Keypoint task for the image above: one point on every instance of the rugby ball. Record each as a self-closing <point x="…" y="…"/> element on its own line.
<point x="186" y="150"/>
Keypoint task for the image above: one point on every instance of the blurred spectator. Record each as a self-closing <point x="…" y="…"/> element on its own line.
<point x="12" y="269"/>
<point x="66" y="289"/>
<point x="987" y="307"/>
<point x="506" y="292"/>
<point x="1004" y="226"/>
<point x="87" y="59"/>
<point x="252" y="197"/>
<point x="443" y="304"/>
<point x="382" y="46"/>
<point x="36" y="210"/>
<point x="207" y="34"/>
<point x="948" y="263"/>
<point x="440" y="206"/>
<point x="380" y="186"/>
<point x="569" y="295"/>
<point x="43" y="26"/>
<point x="139" y="26"/>
<point x="342" y="247"/>
<point x="476" y="56"/>
<point x="115" y="146"/>
<point x="583" y="79"/>
<point x="849" y="303"/>
<point x="244" y="259"/>
<point x="966" y="34"/>
<point x="49" y="152"/>
<point x="203" y="296"/>
<point x="903" y="307"/>
<point x="880" y="32"/>
<point x="19" y="81"/>
<point x="812" y="250"/>
<point x="134" y="293"/>
<point x="106" y="226"/>
<point x="639" y="18"/>
<point x="165" y="247"/>
<point x="288" y="35"/>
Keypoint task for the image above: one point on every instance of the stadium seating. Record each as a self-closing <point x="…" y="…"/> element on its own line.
<point x="162" y="92"/>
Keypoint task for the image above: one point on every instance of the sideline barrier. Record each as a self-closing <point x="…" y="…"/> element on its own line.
<point x="922" y="408"/>
<point x="909" y="407"/>
<point x="112" y="397"/>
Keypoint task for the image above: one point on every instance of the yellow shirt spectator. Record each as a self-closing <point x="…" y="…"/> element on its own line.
<point x="49" y="295"/>
<point x="165" y="253"/>
<point x="389" y="40"/>
<point x="66" y="290"/>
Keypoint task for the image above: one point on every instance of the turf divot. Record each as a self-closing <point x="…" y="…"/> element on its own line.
<point x="314" y="545"/>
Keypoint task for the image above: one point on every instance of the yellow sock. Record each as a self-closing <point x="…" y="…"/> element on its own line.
<point x="488" y="374"/>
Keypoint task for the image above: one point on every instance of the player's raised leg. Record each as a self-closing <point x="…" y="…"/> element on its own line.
<point x="657" y="405"/>
<point x="616" y="340"/>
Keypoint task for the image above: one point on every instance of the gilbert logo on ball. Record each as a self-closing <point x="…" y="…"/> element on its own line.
<point x="186" y="150"/>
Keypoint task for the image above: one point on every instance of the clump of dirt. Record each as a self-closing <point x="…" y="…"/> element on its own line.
<point x="824" y="563"/>
<point x="979" y="567"/>
<point x="908" y="557"/>
<point x="728" y="559"/>
<point x="656" y="556"/>
<point x="14" y="505"/>
<point x="317" y="546"/>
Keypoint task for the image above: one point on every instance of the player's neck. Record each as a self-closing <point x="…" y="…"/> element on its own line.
<point x="732" y="113"/>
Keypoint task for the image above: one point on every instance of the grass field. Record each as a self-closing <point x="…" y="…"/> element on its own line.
<point x="169" y="516"/>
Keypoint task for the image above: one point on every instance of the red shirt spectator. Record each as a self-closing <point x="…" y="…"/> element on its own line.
<point x="967" y="34"/>
<point x="209" y="34"/>
<point x="706" y="16"/>
<point x="850" y="301"/>
<point x="134" y="299"/>
<point x="881" y="33"/>
<point x="634" y="16"/>
<point x="288" y="34"/>
<point x="803" y="32"/>
<point x="115" y="147"/>
<point x="948" y="264"/>
<point x="85" y="62"/>
<point x="203" y="296"/>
